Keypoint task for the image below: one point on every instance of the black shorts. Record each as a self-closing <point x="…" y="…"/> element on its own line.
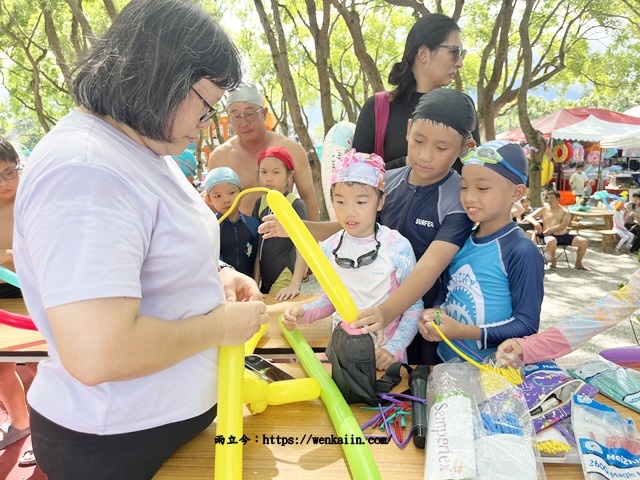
<point x="565" y="239"/>
<point x="65" y="454"/>
<point x="9" y="291"/>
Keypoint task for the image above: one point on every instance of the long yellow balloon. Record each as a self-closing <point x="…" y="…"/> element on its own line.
<point x="228" y="461"/>
<point x="313" y="255"/>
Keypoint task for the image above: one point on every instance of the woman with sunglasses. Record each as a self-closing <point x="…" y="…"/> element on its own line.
<point x="433" y="54"/>
<point x="117" y="253"/>
<point x="371" y="259"/>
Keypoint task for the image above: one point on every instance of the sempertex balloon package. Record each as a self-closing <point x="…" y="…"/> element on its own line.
<point x="609" y="444"/>
<point x="478" y="427"/>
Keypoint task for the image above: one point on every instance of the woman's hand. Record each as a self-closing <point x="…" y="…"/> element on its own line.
<point x="287" y="293"/>
<point x="239" y="321"/>
<point x="292" y="317"/>
<point x="238" y="287"/>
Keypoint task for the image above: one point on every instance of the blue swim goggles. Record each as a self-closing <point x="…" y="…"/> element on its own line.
<point x="482" y="155"/>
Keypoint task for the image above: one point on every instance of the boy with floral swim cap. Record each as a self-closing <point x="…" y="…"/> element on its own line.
<point x="495" y="286"/>
<point x="371" y="259"/>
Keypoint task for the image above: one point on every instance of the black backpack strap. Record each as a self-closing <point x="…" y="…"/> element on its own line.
<point x="391" y="378"/>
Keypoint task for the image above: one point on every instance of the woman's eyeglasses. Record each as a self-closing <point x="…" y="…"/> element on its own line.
<point x="363" y="260"/>
<point x="10" y="174"/>
<point x="458" y="51"/>
<point x="211" y="111"/>
<point x="248" y="117"/>
<point x="477" y="156"/>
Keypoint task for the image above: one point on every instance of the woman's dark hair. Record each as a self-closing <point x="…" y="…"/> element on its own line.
<point x="7" y="152"/>
<point x="152" y="54"/>
<point x="430" y="31"/>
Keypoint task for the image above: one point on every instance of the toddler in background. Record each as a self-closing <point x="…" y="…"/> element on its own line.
<point x="238" y="232"/>
<point x="280" y="267"/>
<point x="371" y="259"/>
<point x="620" y="218"/>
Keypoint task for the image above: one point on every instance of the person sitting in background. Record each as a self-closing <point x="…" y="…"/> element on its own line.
<point x="371" y="259"/>
<point x="280" y="268"/>
<point x="519" y="211"/>
<point x="495" y="285"/>
<point x="575" y="330"/>
<point x="551" y="229"/>
<point x="238" y="232"/>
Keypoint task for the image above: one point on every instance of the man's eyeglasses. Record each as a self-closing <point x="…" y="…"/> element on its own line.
<point x="10" y="174"/>
<point x="248" y="117"/>
<point x="363" y="260"/>
<point x="211" y="111"/>
<point x="478" y="156"/>
<point x="458" y="51"/>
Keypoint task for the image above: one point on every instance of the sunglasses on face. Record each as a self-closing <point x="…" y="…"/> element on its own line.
<point x="211" y="111"/>
<point x="457" y="50"/>
<point x="363" y="260"/>
<point x="477" y="156"/>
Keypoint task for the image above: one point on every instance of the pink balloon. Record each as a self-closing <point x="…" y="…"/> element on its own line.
<point x="16" y="320"/>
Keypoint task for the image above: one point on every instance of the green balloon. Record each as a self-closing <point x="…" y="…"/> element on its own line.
<point x="359" y="457"/>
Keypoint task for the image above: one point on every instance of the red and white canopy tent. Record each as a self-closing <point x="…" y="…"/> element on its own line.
<point x="605" y="122"/>
<point x="578" y="124"/>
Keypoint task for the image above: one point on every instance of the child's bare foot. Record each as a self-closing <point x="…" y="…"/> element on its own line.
<point x="553" y="266"/>
<point x="582" y="267"/>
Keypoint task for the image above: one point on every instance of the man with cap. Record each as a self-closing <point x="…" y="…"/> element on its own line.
<point x="247" y="113"/>
<point x="238" y="232"/>
<point x="495" y="282"/>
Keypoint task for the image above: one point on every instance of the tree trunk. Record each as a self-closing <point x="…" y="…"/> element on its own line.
<point x="111" y="9"/>
<point x="278" y="48"/>
<point x="533" y="136"/>
<point x="320" y="35"/>
<point x="54" y="43"/>
<point x="33" y="72"/>
<point x="368" y="65"/>
<point x="78" y="14"/>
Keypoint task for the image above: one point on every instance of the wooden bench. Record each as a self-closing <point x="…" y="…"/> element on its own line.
<point x="609" y="239"/>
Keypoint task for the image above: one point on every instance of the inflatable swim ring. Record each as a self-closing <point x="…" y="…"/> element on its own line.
<point x="337" y="141"/>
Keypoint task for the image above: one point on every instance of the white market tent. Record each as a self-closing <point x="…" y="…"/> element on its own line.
<point x="592" y="129"/>
<point x="630" y="139"/>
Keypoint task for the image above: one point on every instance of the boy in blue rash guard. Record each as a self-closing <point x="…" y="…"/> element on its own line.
<point x="238" y="232"/>
<point x="495" y="286"/>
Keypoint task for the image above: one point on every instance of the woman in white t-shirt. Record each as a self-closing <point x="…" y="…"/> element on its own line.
<point x="118" y="256"/>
